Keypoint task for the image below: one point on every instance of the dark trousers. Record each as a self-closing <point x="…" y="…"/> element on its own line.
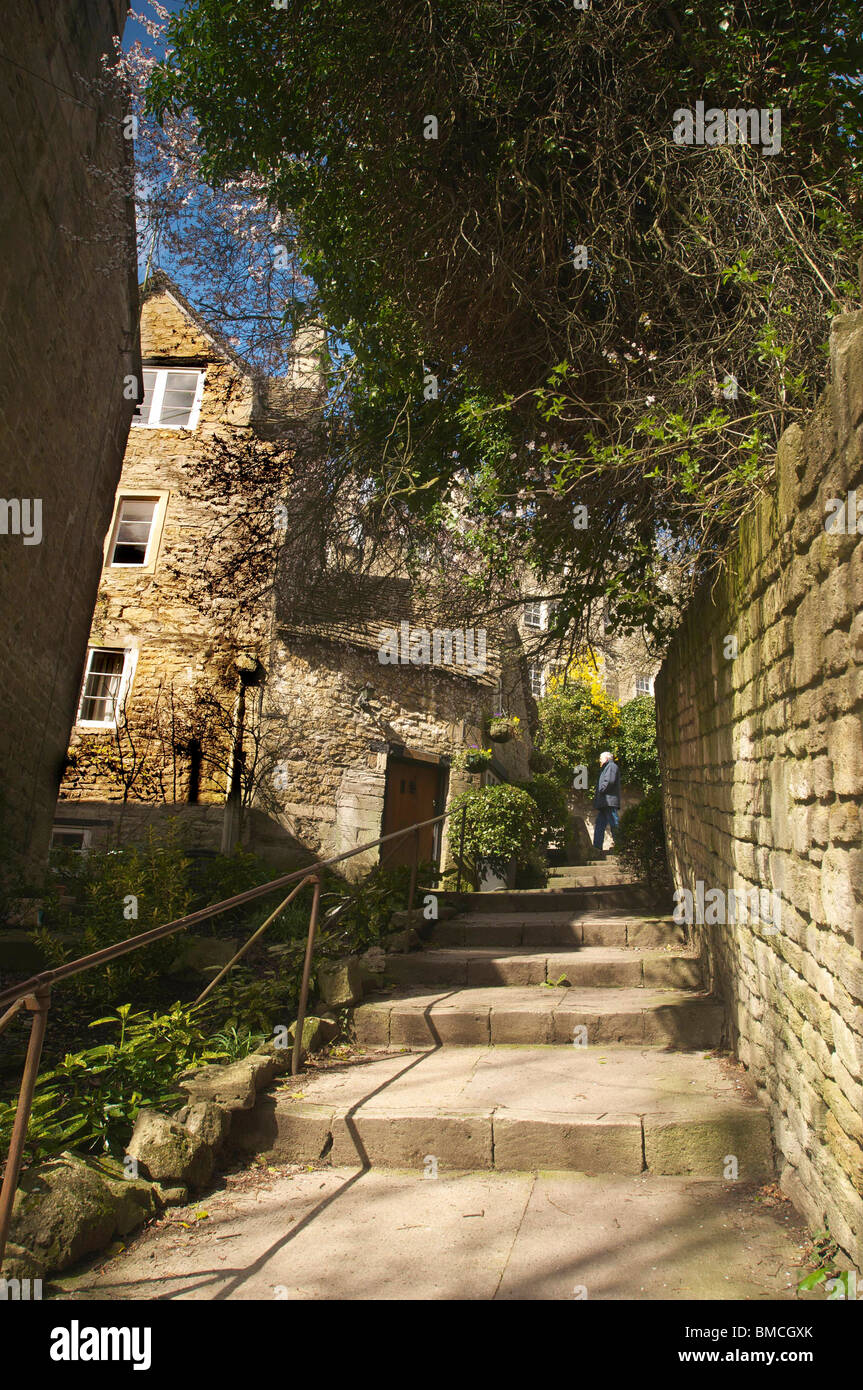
<point x="608" y="817"/>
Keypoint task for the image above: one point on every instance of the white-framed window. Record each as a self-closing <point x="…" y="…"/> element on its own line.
<point x="132" y="535"/>
<point x="107" y="677"/>
<point x="643" y="685"/>
<point x="536" y="679"/>
<point x="533" y="613"/>
<point x="136" y="529"/>
<point x="172" y="398"/>
<point x="71" y="837"/>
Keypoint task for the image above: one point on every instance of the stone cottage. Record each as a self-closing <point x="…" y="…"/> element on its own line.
<point x="205" y="694"/>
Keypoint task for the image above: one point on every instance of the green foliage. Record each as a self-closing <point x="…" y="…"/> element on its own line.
<point x="549" y="793"/>
<point x="457" y="252"/>
<point x="371" y="903"/>
<point x="110" y="896"/>
<point x="90" y="1100"/>
<point x="212" y="879"/>
<point x="90" y="1097"/>
<point x="502" y="822"/>
<point x="639" y="757"/>
<point x="576" y="722"/>
<point x="641" y="844"/>
<point x="472" y="759"/>
<point x="841" y="1284"/>
<point x="255" y="1000"/>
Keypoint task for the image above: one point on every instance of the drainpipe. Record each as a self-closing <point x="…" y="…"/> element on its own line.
<point x="249" y="670"/>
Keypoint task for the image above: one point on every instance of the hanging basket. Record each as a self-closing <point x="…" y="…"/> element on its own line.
<point x="477" y="760"/>
<point x="501" y="730"/>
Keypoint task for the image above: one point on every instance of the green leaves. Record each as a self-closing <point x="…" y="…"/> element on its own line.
<point x="502" y="821"/>
<point x="639" y="758"/>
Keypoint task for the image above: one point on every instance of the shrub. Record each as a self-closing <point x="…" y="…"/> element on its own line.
<point x="551" y="800"/>
<point x="576" y="722"/>
<point x="109" y="896"/>
<point x="639" y="758"/>
<point x="641" y="844"/>
<point x="91" y="1099"/>
<point x="502" y="822"/>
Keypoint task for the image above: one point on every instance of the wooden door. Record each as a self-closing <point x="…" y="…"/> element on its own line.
<point x="411" y="796"/>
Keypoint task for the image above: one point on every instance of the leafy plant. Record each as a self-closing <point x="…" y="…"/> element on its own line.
<point x="577" y="720"/>
<point x="504" y="727"/>
<point x="841" y="1283"/>
<point x="551" y="800"/>
<point x="472" y="759"/>
<point x="639" y="757"/>
<point x="641" y="844"/>
<point x="91" y="1098"/>
<point x="502" y="822"/>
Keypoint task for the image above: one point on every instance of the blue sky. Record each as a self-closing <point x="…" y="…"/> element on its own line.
<point x="133" y="29"/>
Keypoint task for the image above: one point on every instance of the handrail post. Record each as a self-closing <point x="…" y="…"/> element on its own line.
<point x="461" y="847"/>
<point x="38" y="1004"/>
<point x="414" y="871"/>
<point x="307" y="970"/>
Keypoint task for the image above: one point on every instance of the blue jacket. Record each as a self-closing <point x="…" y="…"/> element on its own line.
<point x="608" y="787"/>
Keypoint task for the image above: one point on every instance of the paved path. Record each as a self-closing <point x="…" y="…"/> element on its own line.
<point x="536" y="1110"/>
<point x="342" y="1233"/>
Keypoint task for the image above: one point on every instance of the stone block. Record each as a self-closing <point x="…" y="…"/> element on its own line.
<point x="168" y="1152"/>
<point x="340" y="982"/>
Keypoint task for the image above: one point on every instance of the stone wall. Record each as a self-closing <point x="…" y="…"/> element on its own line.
<point x="68" y="320"/>
<point x="762" y="756"/>
<point x="335" y="753"/>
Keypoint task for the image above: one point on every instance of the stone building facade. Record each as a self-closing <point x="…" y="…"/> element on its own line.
<point x="760" y="719"/>
<point x="68" y="316"/>
<point x="338" y="738"/>
<point x="626" y="665"/>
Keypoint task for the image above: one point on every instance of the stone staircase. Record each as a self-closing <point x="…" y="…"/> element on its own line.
<point x="562" y="1029"/>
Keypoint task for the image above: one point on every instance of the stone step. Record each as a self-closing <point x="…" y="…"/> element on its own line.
<point x="576" y="1109"/>
<point x="520" y="965"/>
<point x="528" y="1015"/>
<point x="610" y="928"/>
<point x="633" y="896"/>
<point x="587" y="876"/>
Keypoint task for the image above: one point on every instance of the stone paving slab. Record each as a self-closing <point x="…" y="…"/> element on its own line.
<point x="558" y="929"/>
<point x="592" y="1109"/>
<point x="526" y="1014"/>
<point x="352" y="1235"/>
<point x="522" y="965"/>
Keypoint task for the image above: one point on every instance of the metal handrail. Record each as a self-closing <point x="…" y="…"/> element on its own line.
<point x="35" y="993"/>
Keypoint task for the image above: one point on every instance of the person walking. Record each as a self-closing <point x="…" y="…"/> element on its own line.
<point x="606" y="801"/>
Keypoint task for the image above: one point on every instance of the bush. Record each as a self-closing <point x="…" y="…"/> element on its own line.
<point x="576" y="722"/>
<point x="502" y="822"/>
<point x="108" y="896"/>
<point x="639" y="758"/>
<point x="551" y="800"/>
<point x="90" y="1100"/>
<point x="641" y="844"/>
